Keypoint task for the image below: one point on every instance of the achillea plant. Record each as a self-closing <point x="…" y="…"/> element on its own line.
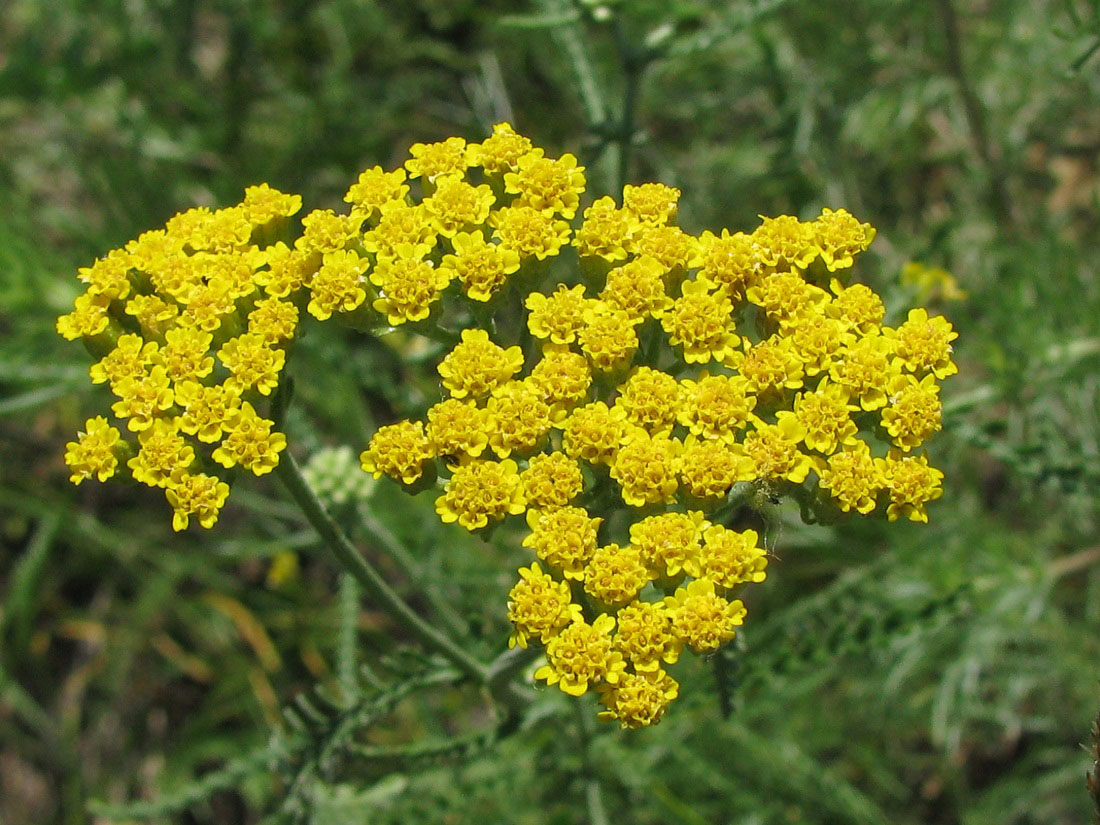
<point x="658" y="382"/>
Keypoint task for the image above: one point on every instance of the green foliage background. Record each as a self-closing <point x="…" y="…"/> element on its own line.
<point x="887" y="673"/>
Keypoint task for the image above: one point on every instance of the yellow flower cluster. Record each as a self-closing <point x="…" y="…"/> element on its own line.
<point x="657" y="370"/>
<point x="650" y="373"/>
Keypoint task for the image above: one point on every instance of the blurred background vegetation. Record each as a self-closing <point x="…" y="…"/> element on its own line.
<point x="888" y="673"/>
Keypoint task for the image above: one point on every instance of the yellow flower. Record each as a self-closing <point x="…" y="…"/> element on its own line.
<point x="708" y="469"/>
<point x="608" y="337"/>
<point x="273" y="320"/>
<point x="519" y="418"/>
<point x="911" y="482"/>
<point x="701" y="323"/>
<point x="638" y="289"/>
<point x="615" y="575"/>
<point x="252" y="363"/>
<point x="728" y="261"/>
<point x="924" y="344"/>
<point x="839" y="238"/>
<point x="729" y="558"/>
<point x="164" y="452"/>
<point x="539" y="607"/>
<point x="403" y="231"/>
<point x="669" y="542"/>
<point x="398" y="450"/>
<point x="646" y="468"/>
<point x="650" y="399"/>
<point x="784" y="296"/>
<point x="207" y="305"/>
<point x="605" y="231"/>
<point x="325" y="231"/>
<point x="455" y="204"/>
<point x="196" y="495"/>
<point x="771" y="365"/>
<point x="595" y="433"/>
<point x="638" y="700"/>
<point x="206" y="409"/>
<point x="670" y="246"/>
<point x="186" y="353"/>
<point x="645" y="636"/>
<point x="553" y="187"/>
<point x="857" y="306"/>
<point x="92" y="455"/>
<point x="529" y="231"/>
<point x="109" y="276"/>
<point x="715" y="406"/>
<point x="551" y="480"/>
<point x="563" y="378"/>
<point x="130" y="358"/>
<point x="816" y="341"/>
<point x="784" y="243"/>
<point x="564" y="538"/>
<point x="825" y="416"/>
<point x="150" y="248"/>
<point x="581" y="655"/>
<point x="866" y="367"/>
<point x="142" y="398"/>
<point x="852" y="477"/>
<point x="374" y="189"/>
<point x="480" y="266"/>
<point x="653" y="203"/>
<point x="914" y="411"/>
<point x="250" y="442"/>
<point x="288" y="269"/>
<point x="481" y="491"/>
<point x="409" y="287"/>
<point x="559" y="316"/>
<point x="152" y="312"/>
<point x="223" y="230"/>
<point x="457" y="428"/>
<point x="263" y="204"/>
<point x="432" y="160"/>
<point x="774" y="451"/>
<point x="500" y="152"/>
<point x="476" y="365"/>
<point x="338" y="284"/>
<point x="702" y="619"/>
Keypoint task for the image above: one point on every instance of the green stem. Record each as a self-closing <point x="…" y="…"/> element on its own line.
<point x="368" y="577"/>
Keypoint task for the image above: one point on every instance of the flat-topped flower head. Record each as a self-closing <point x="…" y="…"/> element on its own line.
<point x="198" y="495"/>
<point x="551" y="480"/>
<point x="651" y="400"/>
<point x="923" y="344"/>
<point x="154" y="314"/>
<point x="638" y="700"/>
<point x="595" y="432"/>
<point x="399" y="451"/>
<point x="825" y="417"/>
<point x="728" y="261"/>
<point x="716" y="406"/>
<point x="553" y="187"/>
<point x="500" y="152"/>
<point x="784" y="243"/>
<point x="109" y="276"/>
<point x="251" y="442"/>
<point x="914" y="411"/>
<point x="638" y="289"/>
<point x="263" y="204"/>
<point x="538" y="607"/>
<point x="403" y="230"/>
<point x="615" y="575"/>
<point x="206" y="409"/>
<point x="528" y="231"/>
<point x="186" y="353"/>
<point x="434" y="160"/>
<point x="92" y="455"/>
<point x="164" y="452"/>
<point x="652" y="203"/>
<point x="274" y="320"/>
<point x="408" y="288"/>
<point x="708" y="469"/>
<point x="288" y="269"/>
<point x="701" y="618"/>
<point x="476" y="365"/>
<point x="480" y="492"/>
<point x="482" y="267"/>
<point x="644" y="636"/>
<point x="852" y="478"/>
<point x="338" y="284"/>
<point x="911" y="483"/>
<point x="608" y="337"/>
<point x="700" y="322"/>
<point x="518" y="417"/>
<point x="856" y="306"/>
<point x="771" y="366"/>
<point x="774" y="449"/>
<point x="669" y="542"/>
<point x="456" y="204"/>
<point x="582" y="656"/>
<point x="325" y="231"/>
<point x="647" y="468"/>
<point x="252" y="363"/>
<point x="374" y="189"/>
<point x="563" y="379"/>
<point x="605" y="231"/>
<point x="816" y="341"/>
<point x="866" y="367"/>
<point x="838" y="238"/>
<point x="785" y="296"/>
<point x="670" y="246"/>
<point x="559" y="316"/>
<point x="729" y="558"/>
<point x="564" y="538"/>
<point x="131" y="358"/>
<point x="142" y="398"/>
<point x="456" y="428"/>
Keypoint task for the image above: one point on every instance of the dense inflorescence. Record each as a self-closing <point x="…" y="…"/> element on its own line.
<point x="652" y="380"/>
